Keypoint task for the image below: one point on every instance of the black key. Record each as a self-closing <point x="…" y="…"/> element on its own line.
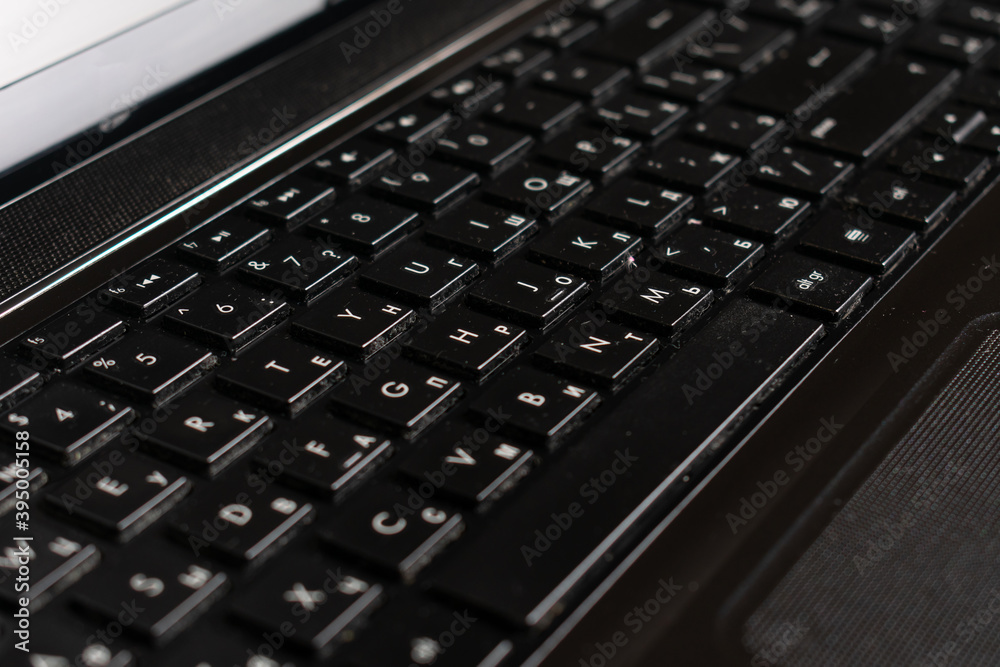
<point x="226" y="315"/>
<point x="918" y="205"/>
<point x="880" y="106"/>
<point x="247" y="523"/>
<point x="469" y="94"/>
<point x="153" y="367"/>
<point x="467" y="343"/>
<point x="13" y="469"/>
<point x="530" y="580"/>
<point x="381" y="528"/>
<point x="756" y="213"/>
<point x="954" y="166"/>
<point x="58" y="644"/>
<point x="686" y="83"/>
<point x="650" y="34"/>
<point x="324" y="454"/>
<point x="365" y="224"/>
<point x="429" y="633"/>
<point x="355" y="322"/>
<point x="56" y="562"/>
<point x="529" y="294"/>
<point x="484" y="147"/>
<point x="16" y="382"/>
<point x="982" y="90"/>
<point x="413" y="123"/>
<point x="736" y="128"/>
<point x="71" y="338"/>
<point x="537" y="111"/>
<point x="608" y="10"/>
<point x="587" y="249"/>
<point x="953" y="122"/>
<point x="607" y="355"/>
<point x="689" y="166"/>
<point x="640" y="207"/>
<point x="796" y="12"/>
<point x="223" y="242"/>
<point x="986" y="138"/>
<point x="171" y="590"/>
<point x="641" y="115"/>
<point x="207" y="432"/>
<point x="789" y="84"/>
<point x="583" y="77"/>
<point x="917" y="8"/>
<point x="318" y="598"/>
<point x="424" y="275"/>
<point x="517" y="61"/>
<point x="875" y="247"/>
<point x="980" y="17"/>
<point x="406" y="398"/>
<point x="298" y="267"/>
<point x="482" y="231"/>
<point x="68" y="423"/>
<point x="803" y="172"/>
<point x="742" y="45"/>
<point x="560" y="32"/>
<point x="813" y="287"/>
<point x="602" y="155"/>
<point x="205" y="646"/>
<point x="290" y="200"/>
<point x="152" y="287"/>
<point x="434" y="187"/>
<point x="874" y="27"/>
<point x="662" y="304"/>
<point x="133" y="493"/>
<point x="468" y="470"/>
<point x="955" y="46"/>
<point x="714" y="258"/>
<point x="353" y="163"/>
<point x="541" y="407"/>
<point x="537" y="190"/>
<point x="287" y="376"/>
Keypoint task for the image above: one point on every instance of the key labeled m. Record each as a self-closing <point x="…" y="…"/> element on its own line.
<point x="655" y="296"/>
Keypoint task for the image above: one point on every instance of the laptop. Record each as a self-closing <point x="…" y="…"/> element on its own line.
<point x="509" y="332"/>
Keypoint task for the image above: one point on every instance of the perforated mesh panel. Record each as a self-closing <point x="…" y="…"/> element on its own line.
<point x="909" y="572"/>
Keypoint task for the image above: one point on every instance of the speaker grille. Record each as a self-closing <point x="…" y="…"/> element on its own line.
<point x="909" y="572"/>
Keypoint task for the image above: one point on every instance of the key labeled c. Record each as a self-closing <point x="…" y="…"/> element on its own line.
<point x="383" y="528"/>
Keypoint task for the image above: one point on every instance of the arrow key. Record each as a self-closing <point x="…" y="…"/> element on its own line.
<point x="134" y="492"/>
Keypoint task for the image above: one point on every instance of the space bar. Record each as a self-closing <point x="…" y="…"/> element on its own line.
<point x="533" y="554"/>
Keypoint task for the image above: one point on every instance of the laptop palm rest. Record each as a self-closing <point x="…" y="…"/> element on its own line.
<point x="907" y="572"/>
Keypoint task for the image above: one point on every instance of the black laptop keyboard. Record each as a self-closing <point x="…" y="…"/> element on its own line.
<point x="379" y="413"/>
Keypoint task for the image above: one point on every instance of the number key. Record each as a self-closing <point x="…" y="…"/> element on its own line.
<point x="365" y="224"/>
<point x="226" y="315"/>
<point x="303" y="269"/>
<point x="153" y="367"/>
<point x="434" y="187"/>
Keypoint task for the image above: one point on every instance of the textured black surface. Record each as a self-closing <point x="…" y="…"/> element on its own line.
<point x="50" y="227"/>
<point x="906" y="573"/>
